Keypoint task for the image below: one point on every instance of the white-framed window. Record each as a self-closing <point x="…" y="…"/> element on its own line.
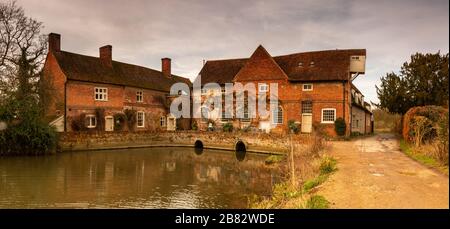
<point x="277" y="116"/>
<point x="140" y="119"/>
<point x="263" y="87"/>
<point x="91" y="121"/>
<point x="139" y="96"/>
<point x="101" y="94"/>
<point x="307" y="107"/>
<point x="328" y="115"/>
<point x="307" y="87"/>
<point x="162" y="121"/>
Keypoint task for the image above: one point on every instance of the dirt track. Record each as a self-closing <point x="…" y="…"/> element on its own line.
<point x="373" y="173"/>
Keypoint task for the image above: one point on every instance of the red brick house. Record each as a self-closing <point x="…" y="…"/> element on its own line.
<point x="313" y="87"/>
<point x="92" y="91"/>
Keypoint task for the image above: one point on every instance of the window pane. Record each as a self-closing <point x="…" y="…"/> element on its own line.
<point x="307" y="107"/>
<point x="277" y="116"/>
<point x="328" y="115"/>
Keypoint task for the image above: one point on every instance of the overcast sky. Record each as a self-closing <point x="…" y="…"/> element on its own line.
<point x="141" y="32"/>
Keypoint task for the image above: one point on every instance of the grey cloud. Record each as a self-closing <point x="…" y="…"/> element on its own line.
<point x="189" y="31"/>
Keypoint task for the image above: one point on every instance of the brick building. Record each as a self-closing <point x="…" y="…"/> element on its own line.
<point x="97" y="92"/>
<point x="313" y="88"/>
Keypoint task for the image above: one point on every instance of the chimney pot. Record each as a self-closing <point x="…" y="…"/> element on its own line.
<point x="106" y="55"/>
<point x="166" y="67"/>
<point x="54" y="42"/>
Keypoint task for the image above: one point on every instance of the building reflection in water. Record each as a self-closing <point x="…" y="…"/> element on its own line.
<point x="138" y="178"/>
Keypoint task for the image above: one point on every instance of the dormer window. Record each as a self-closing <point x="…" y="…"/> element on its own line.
<point x="311" y="64"/>
<point x="300" y="64"/>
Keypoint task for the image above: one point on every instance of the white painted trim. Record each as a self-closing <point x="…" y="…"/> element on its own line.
<point x="282" y="117"/>
<point x="89" y="125"/>
<point x="143" y="119"/>
<point x="303" y="87"/>
<point x="105" y="95"/>
<point x="263" y="84"/>
<point x="321" y="115"/>
<point x="142" y="96"/>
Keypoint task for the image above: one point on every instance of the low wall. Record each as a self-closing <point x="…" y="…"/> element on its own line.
<point x="254" y="142"/>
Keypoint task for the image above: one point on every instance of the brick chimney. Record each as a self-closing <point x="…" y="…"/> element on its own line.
<point x="106" y="55"/>
<point x="54" y="42"/>
<point x="165" y="67"/>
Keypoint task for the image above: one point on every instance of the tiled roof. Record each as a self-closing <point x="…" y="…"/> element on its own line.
<point x="328" y="65"/>
<point x="90" y="69"/>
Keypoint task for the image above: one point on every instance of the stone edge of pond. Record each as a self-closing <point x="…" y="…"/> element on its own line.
<point x="256" y="151"/>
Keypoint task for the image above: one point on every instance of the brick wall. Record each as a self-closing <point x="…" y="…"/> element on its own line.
<point x="291" y="95"/>
<point x="55" y="80"/>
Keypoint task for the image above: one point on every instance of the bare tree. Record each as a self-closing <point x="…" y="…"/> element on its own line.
<point x="22" y="51"/>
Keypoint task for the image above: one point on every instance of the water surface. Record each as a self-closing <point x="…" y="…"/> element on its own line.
<point x="135" y="178"/>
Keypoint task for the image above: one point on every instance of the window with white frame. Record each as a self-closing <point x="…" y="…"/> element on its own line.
<point x="101" y="94"/>
<point x="307" y="87"/>
<point x="91" y="121"/>
<point x="277" y="116"/>
<point x="162" y="121"/>
<point x="139" y="96"/>
<point x="140" y="118"/>
<point x="328" y="115"/>
<point x="263" y="87"/>
<point x="307" y="107"/>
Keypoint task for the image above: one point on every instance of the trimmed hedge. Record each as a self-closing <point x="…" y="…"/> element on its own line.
<point x="340" y="126"/>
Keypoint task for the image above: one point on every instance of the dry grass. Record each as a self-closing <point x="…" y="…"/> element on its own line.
<point x="427" y="154"/>
<point x="312" y="168"/>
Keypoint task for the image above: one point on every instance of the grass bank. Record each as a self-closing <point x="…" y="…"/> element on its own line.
<point x="288" y="195"/>
<point x="421" y="157"/>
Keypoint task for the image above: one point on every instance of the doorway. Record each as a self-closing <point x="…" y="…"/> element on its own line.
<point x="109" y="123"/>
<point x="306" y="116"/>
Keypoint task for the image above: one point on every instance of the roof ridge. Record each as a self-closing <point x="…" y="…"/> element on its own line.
<point x="307" y="52"/>
<point x="120" y="62"/>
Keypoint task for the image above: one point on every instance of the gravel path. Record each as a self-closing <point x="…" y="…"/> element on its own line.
<point x="373" y="173"/>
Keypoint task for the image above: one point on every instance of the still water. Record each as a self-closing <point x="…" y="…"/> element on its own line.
<point x="136" y="178"/>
